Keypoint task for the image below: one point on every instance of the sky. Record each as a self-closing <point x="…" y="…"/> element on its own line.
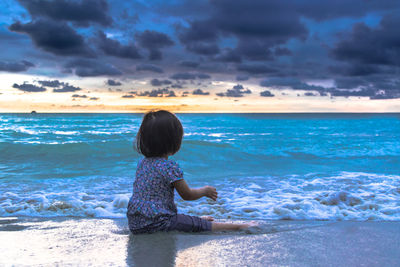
<point x="200" y="56"/>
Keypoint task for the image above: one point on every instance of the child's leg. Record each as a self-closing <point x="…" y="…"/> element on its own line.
<point x="208" y="218"/>
<point x="186" y="223"/>
<point x="228" y="226"/>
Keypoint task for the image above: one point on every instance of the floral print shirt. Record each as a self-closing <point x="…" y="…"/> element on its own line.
<point x="152" y="202"/>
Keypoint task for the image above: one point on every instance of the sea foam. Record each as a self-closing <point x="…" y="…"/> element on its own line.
<point x="346" y="196"/>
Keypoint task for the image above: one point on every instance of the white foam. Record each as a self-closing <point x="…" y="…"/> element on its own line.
<point x="346" y="196"/>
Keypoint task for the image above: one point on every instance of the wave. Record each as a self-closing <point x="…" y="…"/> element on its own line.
<point x="25" y="152"/>
<point x="346" y="196"/>
<point x="203" y="143"/>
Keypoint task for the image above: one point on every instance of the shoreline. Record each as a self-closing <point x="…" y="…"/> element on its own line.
<point x="85" y="241"/>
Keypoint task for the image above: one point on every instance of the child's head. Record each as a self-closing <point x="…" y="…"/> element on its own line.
<point x="159" y="135"/>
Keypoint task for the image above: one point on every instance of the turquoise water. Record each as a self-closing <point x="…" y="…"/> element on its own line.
<point x="264" y="166"/>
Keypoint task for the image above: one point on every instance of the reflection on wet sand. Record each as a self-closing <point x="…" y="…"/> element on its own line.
<point x="151" y="250"/>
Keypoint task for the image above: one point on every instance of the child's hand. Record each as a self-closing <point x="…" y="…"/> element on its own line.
<point x="210" y="192"/>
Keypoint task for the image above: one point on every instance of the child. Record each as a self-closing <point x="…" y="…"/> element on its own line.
<point x="151" y="207"/>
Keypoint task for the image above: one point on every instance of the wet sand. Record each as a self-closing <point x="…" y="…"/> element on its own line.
<point x="107" y="242"/>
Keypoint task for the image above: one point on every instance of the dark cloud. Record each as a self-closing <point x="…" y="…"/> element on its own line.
<point x="27" y="87"/>
<point x="254" y="49"/>
<point x="289" y="83"/>
<point x="21" y="66"/>
<point x="203" y="76"/>
<point x="157" y="82"/>
<point x="203" y="48"/>
<point x="67" y="88"/>
<point x="256" y="68"/>
<point x="257" y="25"/>
<point x="189" y="64"/>
<point x="183" y="76"/>
<point x="266" y="93"/>
<point x="200" y="92"/>
<point x="91" y="68"/>
<point x="52" y="84"/>
<point x="161" y="92"/>
<point x="154" y="41"/>
<point x="356" y="69"/>
<point x="171" y="94"/>
<point x="189" y="76"/>
<point x="236" y="91"/>
<point x="350" y="82"/>
<point x="111" y="82"/>
<point x="367" y="47"/>
<point x="282" y="51"/>
<point x="310" y="94"/>
<point x="273" y="20"/>
<point x="364" y="92"/>
<point x="79" y="96"/>
<point x="115" y="48"/>
<point x="356" y="46"/>
<point x="81" y="12"/>
<point x="242" y="77"/>
<point x="228" y="55"/>
<point x="200" y="37"/>
<point x="128" y="96"/>
<point x="55" y="37"/>
<point x="321" y="11"/>
<point x="374" y="87"/>
<point x="58" y="87"/>
<point x="149" y="67"/>
<point x="177" y="86"/>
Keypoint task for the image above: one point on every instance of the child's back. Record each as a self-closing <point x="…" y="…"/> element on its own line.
<point x="152" y="202"/>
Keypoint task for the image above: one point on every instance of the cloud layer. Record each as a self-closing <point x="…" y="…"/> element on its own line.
<point x="354" y="49"/>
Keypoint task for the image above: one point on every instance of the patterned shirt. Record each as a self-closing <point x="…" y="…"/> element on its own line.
<point x="152" y="202"/>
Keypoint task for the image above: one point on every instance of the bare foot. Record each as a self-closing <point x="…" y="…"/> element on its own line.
<point x="249" y="224"/>
<point x="208" y="218"/>
<point x="253" y="224"/>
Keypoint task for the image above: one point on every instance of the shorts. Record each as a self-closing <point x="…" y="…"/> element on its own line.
<point x="186" y="223"/>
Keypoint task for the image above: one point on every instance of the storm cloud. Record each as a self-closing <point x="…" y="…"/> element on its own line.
<point x="91" y="68"/>
<point x="20" y="66"/>
<point x="115" y="48"/>
<point x="153" y="41"/>
<point x="55" y="37"/>
<point x="28" y="87"/>
<point x="111" y="82"/>
<point x="161" y="92"/>
<point x="67" y="88"/>
<point x="189" y="76"/>
<point x="266" y="93"/>
<point x="157" y="82"/>
<point x="82" y="12"/>
<point x="236" y="91"/>
<point x="149" y="67"/>
<point x="351" y="49"/>
<point x="200" y="92"/>
<point x="51" y="83"/>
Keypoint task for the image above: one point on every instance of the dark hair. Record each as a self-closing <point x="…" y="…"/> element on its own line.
<point x="160" y="134"/>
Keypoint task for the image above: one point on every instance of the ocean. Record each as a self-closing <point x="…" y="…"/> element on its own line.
<point x="264" y="166"/>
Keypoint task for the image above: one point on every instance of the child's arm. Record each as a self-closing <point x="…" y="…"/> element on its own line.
<point x="188" y="193"/>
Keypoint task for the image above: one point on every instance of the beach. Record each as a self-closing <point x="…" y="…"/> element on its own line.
<point x="73" y="241"/>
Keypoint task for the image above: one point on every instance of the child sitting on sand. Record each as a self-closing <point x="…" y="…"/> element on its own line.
<point x="151" y="207"/>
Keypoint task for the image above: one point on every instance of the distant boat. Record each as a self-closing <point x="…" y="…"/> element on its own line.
<point x="33" y="112"/>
